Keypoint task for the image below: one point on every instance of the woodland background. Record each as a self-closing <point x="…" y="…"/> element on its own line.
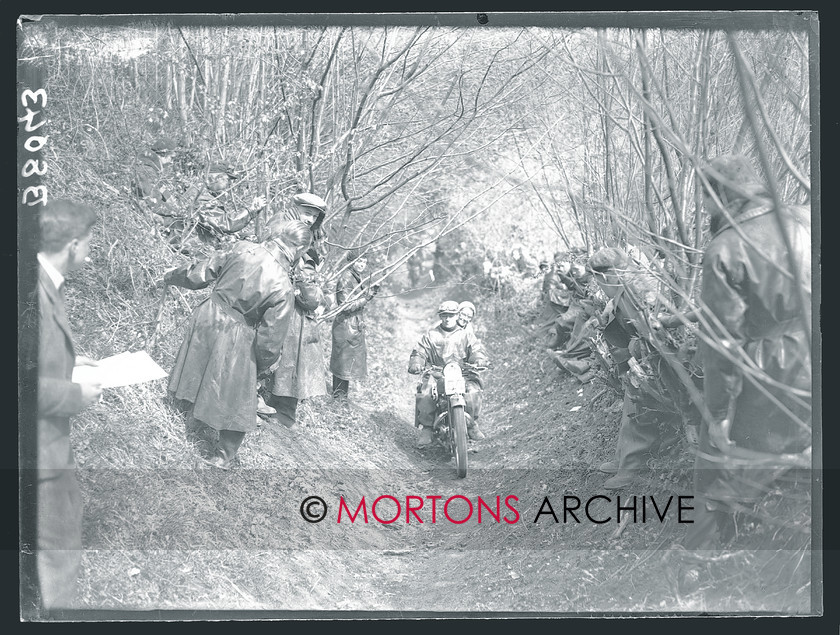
<point x="472" y="139"/>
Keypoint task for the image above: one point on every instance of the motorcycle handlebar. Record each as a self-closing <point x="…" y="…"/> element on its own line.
<point x="464" y="365"/>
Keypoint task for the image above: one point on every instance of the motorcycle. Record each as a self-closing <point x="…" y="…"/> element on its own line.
<point x="451" y="417"/>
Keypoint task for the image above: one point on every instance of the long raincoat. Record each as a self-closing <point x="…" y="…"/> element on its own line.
<point x="759" y="308"/>
<point x="349" y="349"/>
<point x="236" y="334"/>
<point x="301" y="370"/>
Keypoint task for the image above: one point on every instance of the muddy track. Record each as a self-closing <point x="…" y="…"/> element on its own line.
<point x="434" y="565"/>
<point x="180" y="535"/>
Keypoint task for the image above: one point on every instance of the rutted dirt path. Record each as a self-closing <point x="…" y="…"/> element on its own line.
<point x="180" y="535"/>
<point x="442" y="565"/>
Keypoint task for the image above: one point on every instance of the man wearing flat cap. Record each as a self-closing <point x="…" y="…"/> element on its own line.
<point x="756" y="310"/>
<point x="300" y="374"/>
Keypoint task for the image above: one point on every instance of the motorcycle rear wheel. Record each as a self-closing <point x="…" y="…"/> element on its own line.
<point x="458" y="425"/>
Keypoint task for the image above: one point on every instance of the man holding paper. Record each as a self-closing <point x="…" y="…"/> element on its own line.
<point x="65" y="241"/>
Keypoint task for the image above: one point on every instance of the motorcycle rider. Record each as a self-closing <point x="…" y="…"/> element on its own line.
<point x="446" y="343"/>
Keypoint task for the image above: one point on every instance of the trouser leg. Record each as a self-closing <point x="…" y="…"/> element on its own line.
<point x="340" y="387"/>
<point x="424" y="412"/>
<point x="712" y="524"/>
<point x="473" y="399"/>
<point x="638" y="435"/>
<point x="59" y="540"/>
<point x="286" y="409"/>
<point x="425" y="403"/>
<point x="627" y="409"/>
<point x="229" y="442"/>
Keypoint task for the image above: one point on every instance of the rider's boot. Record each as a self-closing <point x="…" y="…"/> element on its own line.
<point x="425" y="437"/>
<point x="474" y="433"/>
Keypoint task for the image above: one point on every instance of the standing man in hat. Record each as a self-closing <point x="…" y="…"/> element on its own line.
<point x="348" y="358"/>
<point x="65" y="242"/>
<point x="300" y="374"/>
<point x="445" y="343"/>
<point x="756" y="299"/>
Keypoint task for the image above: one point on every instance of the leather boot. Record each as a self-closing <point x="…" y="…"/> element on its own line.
<point x="263" y="409"/>
<point x="474" y="433"/>
<point x="286" y="410"/>
<point x="623" y="478"/>
<point x="637" y="436"/>
<point x="226" y="449"/>
<point x="340" y="388"/>
<point x="425" y="438"/>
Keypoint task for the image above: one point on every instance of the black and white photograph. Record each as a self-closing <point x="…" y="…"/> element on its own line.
<point x="419" y="315"/>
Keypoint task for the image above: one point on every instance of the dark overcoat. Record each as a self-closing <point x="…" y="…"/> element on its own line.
<point x="349" y="349"/>
<point x="758" y="307"/>
<point x="236" y="334"/>
<point x="301" y="371"/>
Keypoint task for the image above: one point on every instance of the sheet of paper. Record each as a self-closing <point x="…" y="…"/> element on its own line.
<point x="124" y="369"/>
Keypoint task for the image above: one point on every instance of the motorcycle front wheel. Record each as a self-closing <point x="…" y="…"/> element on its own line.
<point x="458" y="425"/>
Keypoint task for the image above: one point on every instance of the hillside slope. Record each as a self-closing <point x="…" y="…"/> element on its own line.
<point x="164" y="531"/>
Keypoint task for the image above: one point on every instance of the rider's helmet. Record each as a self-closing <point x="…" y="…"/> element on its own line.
<point x="449" y="307"/>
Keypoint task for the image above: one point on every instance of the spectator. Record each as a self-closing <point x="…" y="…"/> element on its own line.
<point x="557" y="297"/>
<point x="631" y="298"/>
<point x="149" y="172"/>
<point x="214" y="216"/>
<point x="753" y="310"/>
<point x="300" y="374"/>
<point x="348" y="359"/>
<point x="237" y="333"/>
<point x="415" y="268"/>
<point x="65" y="241"/>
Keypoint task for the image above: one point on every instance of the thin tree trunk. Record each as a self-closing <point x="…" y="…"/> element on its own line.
<point x="182" y="97"/>
<point x="169" y="81"/>
<point x="223" y="92"/>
